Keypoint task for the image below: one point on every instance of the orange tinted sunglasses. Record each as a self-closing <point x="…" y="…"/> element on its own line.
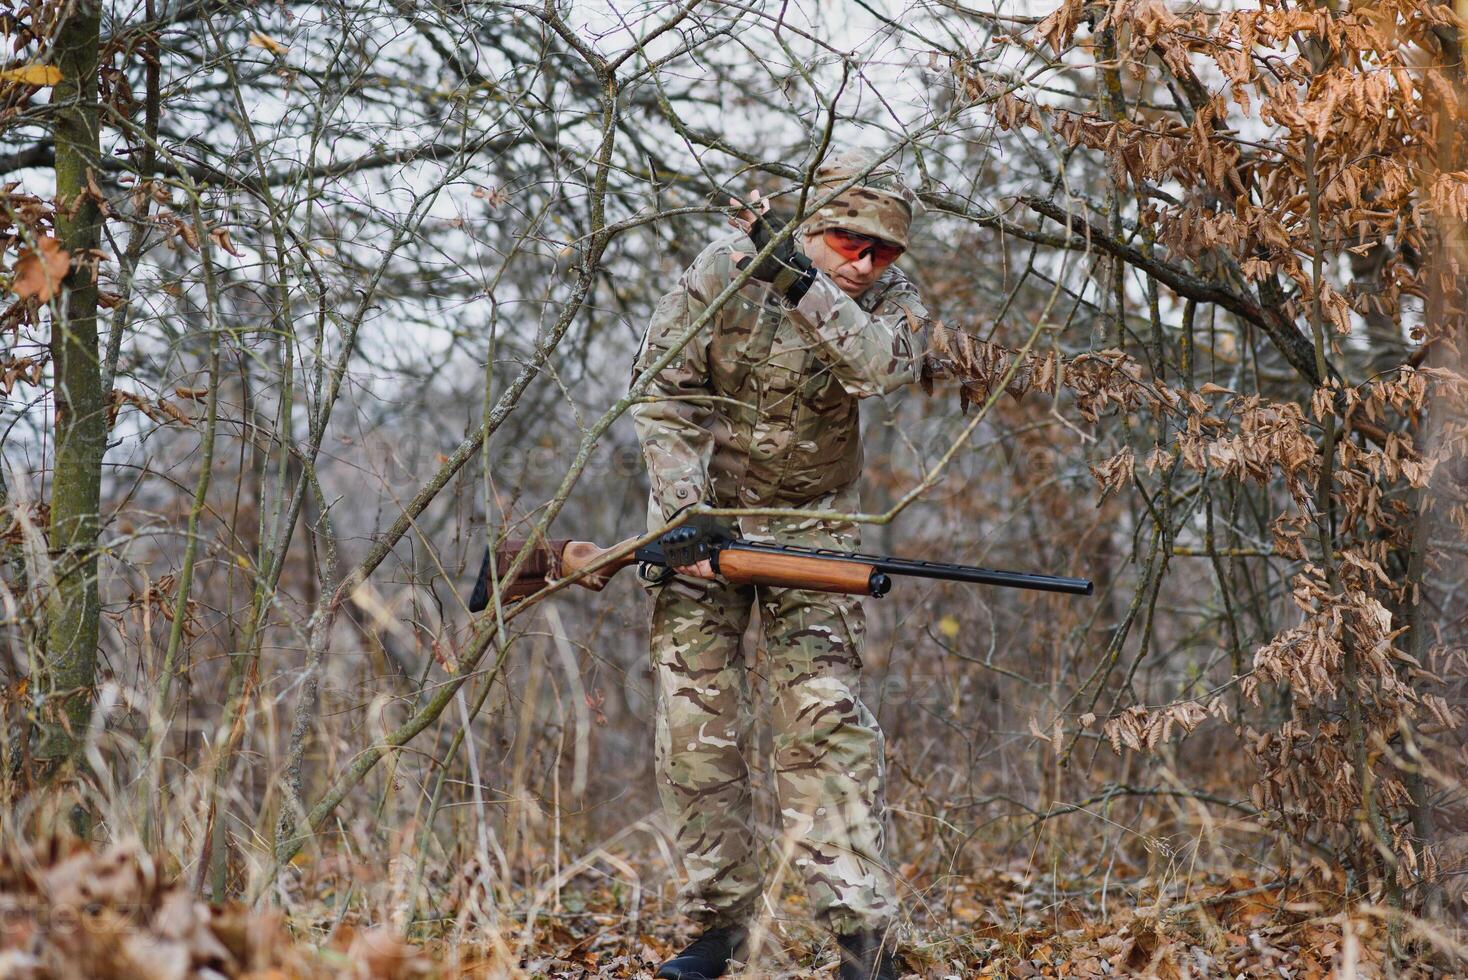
<point x="852" y="247"/>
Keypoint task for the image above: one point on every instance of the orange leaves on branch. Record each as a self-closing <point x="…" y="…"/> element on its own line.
<point x="1158" y="459"/>
<point x="174" y="412"/>
<point x="1287" y="533"/>
<point x="447" y="657"/>
<point x="1261" y="143"/>
<point x="117" y="398"/>
<point x="40" y="75"/>
<point x="159" y="598"/>
<point x="159" y="411"/>
<point x="1307" y="658"/>
<point x="1155" y="27"/>
<point x="39" y="274"/>
<point x="220" y="236"/>
<point x="183" y="230"/>
<point x="1058" y="29"/>
<point x="1257" y="269"/>
<point x="1099" y="381"/>
<point x="94" y="193"/>
<point x="977" y="364"/>
<point x="1370" y="150"/>
<point x="1337" y="310"/>
<point x="1114" y="473"/>
<point x="1447" y="195"/>
<point x="1270" y="437"/>
<point x="1142" y="730"/>
<point x="267" y="43"/>
<point x="25" y="370"/>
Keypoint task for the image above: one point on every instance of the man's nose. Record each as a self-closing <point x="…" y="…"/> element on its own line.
<point x="863" y="265"/>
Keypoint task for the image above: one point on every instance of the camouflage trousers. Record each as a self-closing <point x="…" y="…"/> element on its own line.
<point x="827" y="746"/>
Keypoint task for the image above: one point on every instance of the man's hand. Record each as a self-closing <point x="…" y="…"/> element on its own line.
<point x="703" y="569"/>
<point x="786" y="269"/>
<point x="746" y="220"/>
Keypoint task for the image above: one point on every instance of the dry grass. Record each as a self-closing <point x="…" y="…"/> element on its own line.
<point x="108" y="912"/>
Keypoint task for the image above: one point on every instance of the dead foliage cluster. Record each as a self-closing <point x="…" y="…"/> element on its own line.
<point x="1261" y="150"/>
<point x="73" y="912"/>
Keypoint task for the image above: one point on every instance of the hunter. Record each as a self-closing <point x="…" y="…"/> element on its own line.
<point x="760" y="410"/>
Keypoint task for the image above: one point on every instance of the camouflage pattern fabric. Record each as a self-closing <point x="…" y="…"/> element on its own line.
<point x="828" y="748"/>
<point x="760" y="409"/>
<point x="878" y="204"/>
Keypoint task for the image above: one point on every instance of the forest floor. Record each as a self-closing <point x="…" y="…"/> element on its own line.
<point x="68" y="911"/>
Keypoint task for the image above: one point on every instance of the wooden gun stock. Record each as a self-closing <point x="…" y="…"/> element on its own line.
<point x="579" y="555"/>
<point x="559" y="558"/>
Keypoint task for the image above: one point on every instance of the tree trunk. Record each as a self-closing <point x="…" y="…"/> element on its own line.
<point x="72" y="614"/>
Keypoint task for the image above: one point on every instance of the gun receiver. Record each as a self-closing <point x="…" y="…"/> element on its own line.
<point x="741" y="562"/>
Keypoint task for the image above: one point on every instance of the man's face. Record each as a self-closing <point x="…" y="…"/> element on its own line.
<point x="854" y="275"/>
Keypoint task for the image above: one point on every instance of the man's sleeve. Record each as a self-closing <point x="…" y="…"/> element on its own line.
<point x="870" y="353"/>
<point x="675" y="442"/>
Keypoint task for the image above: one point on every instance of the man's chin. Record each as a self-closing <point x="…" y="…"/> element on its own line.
<point x="850" y="287"/>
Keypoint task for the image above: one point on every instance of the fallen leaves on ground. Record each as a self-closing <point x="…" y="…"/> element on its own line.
<point x="70" y="911"/>
<point x="109" y="913"/>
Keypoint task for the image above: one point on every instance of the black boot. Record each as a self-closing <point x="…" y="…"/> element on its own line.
<point x="706" y="957"/>
<point x="866" y="955"/>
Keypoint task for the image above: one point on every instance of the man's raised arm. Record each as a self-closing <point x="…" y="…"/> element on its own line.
<point x="870" y="353"/>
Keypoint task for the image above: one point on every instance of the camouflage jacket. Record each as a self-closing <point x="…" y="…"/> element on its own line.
<point x="782" y="426"/>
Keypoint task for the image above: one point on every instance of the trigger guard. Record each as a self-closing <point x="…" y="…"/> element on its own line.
<point x="654" y="574"/>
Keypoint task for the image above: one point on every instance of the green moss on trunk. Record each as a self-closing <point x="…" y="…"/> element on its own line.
<point x="81" y="428"/>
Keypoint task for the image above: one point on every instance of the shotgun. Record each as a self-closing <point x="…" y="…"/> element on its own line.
<point x="741" y="562"/>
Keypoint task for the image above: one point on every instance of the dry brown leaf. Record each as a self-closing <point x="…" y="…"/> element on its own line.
<point x="95" y="194"/>
<point x="38" y="275"/>
<point x="1115" y="472"/>
<point x="32" y="75"/>
<point x="220" y="237"/>
<point x="268" y="43"/>
<point x="176" y="413"/>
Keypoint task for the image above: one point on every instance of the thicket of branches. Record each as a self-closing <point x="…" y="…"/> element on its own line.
<point x="307" y="303"/>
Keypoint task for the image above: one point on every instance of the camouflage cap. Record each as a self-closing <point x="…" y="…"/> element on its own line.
<point x="879" y="204"/>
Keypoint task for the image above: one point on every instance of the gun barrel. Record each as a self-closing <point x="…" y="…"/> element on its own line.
<point x="934" y="569"/>
<point x="987" y="576"/>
